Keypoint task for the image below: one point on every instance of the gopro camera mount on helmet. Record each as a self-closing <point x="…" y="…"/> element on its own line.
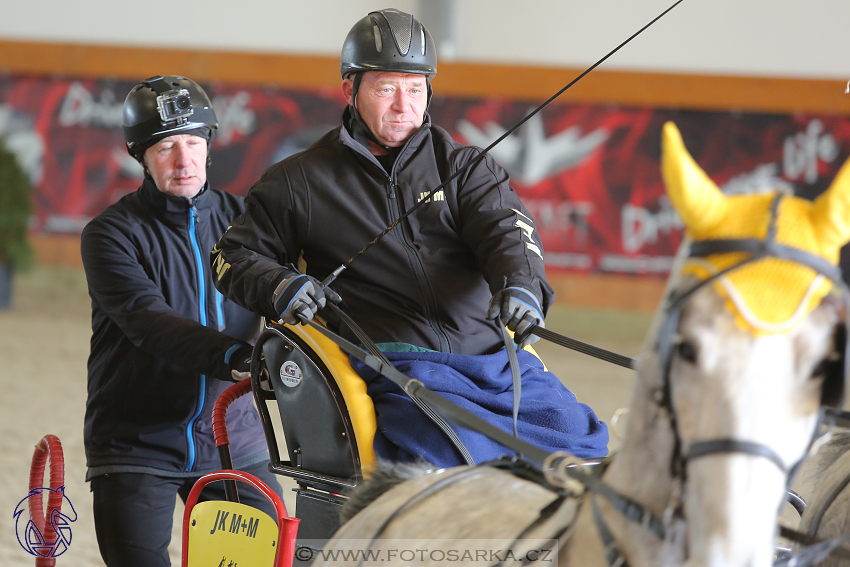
<point x="163" y="106"/>
<point x="175" y="105"/>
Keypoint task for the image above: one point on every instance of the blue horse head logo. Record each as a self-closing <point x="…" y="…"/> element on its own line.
<point x="31" y="538"/>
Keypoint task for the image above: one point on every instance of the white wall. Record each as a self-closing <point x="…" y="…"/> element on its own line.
<point x="802" y="38"/>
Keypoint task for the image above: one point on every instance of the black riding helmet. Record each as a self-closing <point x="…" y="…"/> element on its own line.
<point x="389" y="40"/>
<point x="386" y="40"/>
<point x="159" y="107"/>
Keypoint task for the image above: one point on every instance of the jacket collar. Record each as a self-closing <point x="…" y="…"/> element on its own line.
<point x="352" y="136"/>
<point x="174" y="209"/>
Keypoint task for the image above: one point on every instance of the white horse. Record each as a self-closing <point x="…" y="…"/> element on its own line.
<point x="729" y="387"/>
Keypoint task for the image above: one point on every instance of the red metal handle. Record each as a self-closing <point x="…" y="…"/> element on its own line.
<point x="226" y="398"/>
<point x="287" y="526"/>
<point x="49" y="447"/>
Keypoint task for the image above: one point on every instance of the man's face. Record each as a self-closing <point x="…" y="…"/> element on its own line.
<point x="391" y="104"/>
<point x="178" y="164"/>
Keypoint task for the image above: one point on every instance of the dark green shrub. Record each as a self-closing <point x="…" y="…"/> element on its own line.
<point x="15" y="210"/>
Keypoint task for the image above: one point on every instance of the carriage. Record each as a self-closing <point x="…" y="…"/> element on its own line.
<point x="299" y="374"/>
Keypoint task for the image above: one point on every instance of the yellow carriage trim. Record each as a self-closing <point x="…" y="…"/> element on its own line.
<point x="361" y="409"/>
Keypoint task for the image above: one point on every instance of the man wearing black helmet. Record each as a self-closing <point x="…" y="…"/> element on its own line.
<point x="164" y="343"/>
<point x="470" y="253"/>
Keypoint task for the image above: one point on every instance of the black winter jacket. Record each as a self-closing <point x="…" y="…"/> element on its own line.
<point x="429" y="281"/>
<point x="160" y="332"/>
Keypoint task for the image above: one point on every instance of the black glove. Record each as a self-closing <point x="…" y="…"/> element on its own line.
<point x="301" y="296"/>
<point x="239" y="360"/>
<point x="519" y="310"/>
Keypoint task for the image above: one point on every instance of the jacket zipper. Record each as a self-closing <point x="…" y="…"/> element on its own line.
<point x="202" y="307"/>
<point x="430" y="300"/>
<point x="219" y="310"/>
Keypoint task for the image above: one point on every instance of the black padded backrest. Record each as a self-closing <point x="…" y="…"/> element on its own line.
<point x="312" y="410"/>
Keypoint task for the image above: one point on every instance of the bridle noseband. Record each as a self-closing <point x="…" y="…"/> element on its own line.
<point x="715" y="446"/>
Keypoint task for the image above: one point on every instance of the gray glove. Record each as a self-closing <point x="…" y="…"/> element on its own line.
<point x="519" y="310"/>
<point x="300" y="297"/>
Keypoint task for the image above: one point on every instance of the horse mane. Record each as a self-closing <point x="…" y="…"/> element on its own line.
<point x="831" y="451"/>
<point x="383" y="477"/>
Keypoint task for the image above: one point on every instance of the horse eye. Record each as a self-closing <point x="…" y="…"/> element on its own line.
<point x="687" y="351"/>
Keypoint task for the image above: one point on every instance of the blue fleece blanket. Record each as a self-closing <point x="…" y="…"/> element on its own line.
<point x="549" y="414"/>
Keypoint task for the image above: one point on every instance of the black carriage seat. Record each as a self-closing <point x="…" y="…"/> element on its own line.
<point x="327" y="418"/>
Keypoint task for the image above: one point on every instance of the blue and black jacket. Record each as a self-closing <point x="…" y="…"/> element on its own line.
<point x="160" y="337"/>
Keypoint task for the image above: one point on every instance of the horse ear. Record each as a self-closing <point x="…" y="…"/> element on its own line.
<point x="695" y="196"/>
<point x="831" y="212"/>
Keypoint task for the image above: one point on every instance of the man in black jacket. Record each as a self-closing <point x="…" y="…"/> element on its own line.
<point x="164" y="342"/>
<point x="468" y="254"/>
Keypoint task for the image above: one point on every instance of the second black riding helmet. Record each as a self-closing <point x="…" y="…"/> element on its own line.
<point x="164" y="106"/>
<point x="389" y="40"/>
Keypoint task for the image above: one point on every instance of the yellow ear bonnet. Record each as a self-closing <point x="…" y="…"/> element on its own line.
<point x="821" y="227"/>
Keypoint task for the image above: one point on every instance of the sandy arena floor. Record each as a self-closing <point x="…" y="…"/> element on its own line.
<point x="44" y="343"/>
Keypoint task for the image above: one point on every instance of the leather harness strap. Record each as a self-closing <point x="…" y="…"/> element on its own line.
<point x="715" y="446"/>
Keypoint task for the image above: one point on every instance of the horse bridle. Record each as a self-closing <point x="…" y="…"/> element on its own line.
<point x="756" y="249"/>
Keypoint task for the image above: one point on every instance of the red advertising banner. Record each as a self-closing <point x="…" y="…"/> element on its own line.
<point x="589" y="174"/>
